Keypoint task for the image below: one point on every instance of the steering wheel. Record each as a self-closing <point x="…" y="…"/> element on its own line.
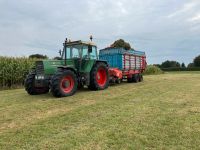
<point x="85" y="57"/>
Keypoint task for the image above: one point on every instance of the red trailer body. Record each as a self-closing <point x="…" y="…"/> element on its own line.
<point x="124" y="64"/>
<point x="132" y="65"/>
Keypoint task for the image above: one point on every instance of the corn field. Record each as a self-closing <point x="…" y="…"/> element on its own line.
<point x="13" y="71"/>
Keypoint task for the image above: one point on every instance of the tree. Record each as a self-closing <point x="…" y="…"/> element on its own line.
<point x="183" y="65"/>
<point x="121" y="44"/>
<point x="38" y="56"/>
<point x="157" y="65"/>
<point x="190" y="65"/>
<point x="57" y="58"/>
<point x="197" y="61"/>
<point x="169" y="64"/>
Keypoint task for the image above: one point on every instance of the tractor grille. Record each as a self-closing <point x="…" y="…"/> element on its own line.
<point x="39" y="67"/>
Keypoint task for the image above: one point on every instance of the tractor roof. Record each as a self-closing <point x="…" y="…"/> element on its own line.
<point x="69" y="43"/>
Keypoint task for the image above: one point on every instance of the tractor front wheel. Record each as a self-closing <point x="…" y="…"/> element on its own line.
<point x="64" y="83"/>
<point x="99" y="77"/>
<point x="30" y="85"/>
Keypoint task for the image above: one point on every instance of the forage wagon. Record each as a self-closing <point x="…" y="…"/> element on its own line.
<point x="80" y="66"/>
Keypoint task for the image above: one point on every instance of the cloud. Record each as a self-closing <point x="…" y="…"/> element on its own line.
<point x="185" y="8"/>
<point x="195" y="18"/>
<point x="164" y="29"/>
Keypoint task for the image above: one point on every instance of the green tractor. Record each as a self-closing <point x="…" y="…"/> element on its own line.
<point x="79" y="66"/>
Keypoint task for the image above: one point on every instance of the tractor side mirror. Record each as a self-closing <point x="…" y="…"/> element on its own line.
<point x="90" y="48"/>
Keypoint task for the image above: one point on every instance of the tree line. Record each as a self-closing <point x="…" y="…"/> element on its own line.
<point x="175" y="64"/>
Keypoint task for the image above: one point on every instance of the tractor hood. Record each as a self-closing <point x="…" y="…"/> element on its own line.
<point x="48" y="66"/>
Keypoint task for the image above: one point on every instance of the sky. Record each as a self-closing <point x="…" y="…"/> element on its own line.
<point x="164" y="29"/>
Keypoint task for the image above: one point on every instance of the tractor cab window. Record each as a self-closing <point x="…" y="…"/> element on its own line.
<point x="93" y="52"/>
<point x="73" y="51"/>
<point x="89" y="52"/>
<point x="68" y="52"/>
<point x="85" y="53"/>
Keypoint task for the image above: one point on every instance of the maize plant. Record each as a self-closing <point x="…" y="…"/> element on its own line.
<point x="13" y="71"/>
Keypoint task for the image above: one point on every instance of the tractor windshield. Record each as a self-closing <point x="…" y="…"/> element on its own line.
<point x="80" y="51"/>
<point x="73" y="51"/>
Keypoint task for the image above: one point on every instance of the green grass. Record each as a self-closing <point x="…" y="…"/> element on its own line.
<point x="163" y="112"/>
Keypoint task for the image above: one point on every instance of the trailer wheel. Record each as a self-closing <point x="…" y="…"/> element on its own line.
<point x="118" y="81"/>
<point x="130" y="79"/>
<point x="135" y="78"/>
<point x="99" y="77"/>
<point x="140" y="77"/>
<point x="64" y="84"/>
<point x="30" y="87"/>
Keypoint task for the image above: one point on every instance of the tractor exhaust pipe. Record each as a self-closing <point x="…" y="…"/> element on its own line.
<point x="64" y="49"/>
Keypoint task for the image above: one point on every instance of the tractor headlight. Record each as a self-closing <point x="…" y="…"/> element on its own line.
<point x="39" y="77"/>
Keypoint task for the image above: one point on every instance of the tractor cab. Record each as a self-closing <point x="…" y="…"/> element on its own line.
<point x="80" y="55"/>
<point x="79" y="50"/>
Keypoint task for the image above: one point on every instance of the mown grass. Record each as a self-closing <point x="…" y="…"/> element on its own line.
<point x="163" y="112"/>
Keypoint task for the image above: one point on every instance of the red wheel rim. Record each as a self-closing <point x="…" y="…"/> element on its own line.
<point x="101" y="77"/>
<point x="67" y="84"/>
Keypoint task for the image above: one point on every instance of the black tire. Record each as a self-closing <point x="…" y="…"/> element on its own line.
<point x="118" y="81"/>
<point x="80" y="86"/>
<point x="94" y="83"/>
<point x="140" y="77"/>
<point x="130" y="79"/>
<point x="30" y="87"/>
<point x="135" y="78"/>
<point x="61" y="77"/>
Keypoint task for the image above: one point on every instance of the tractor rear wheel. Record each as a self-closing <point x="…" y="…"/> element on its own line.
<point x="99" y="77"/>
<point x="64" y="83"/>
<point x="30" y="85"/>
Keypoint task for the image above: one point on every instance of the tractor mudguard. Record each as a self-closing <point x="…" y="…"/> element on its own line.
<point x="103" y="61"/>
<point x="61" y="68"/>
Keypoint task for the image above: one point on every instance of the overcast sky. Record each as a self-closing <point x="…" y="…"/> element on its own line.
<point x="164" y="29"/>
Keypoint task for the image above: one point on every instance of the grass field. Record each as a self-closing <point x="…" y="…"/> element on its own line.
<point x="163" y="112"/>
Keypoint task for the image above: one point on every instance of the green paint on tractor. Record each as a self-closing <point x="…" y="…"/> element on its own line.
<point x="50" y="66"/>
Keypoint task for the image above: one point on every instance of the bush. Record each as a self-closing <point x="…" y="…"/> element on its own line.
<point x="151" y="70"/>
<point x="13" y="70"/>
